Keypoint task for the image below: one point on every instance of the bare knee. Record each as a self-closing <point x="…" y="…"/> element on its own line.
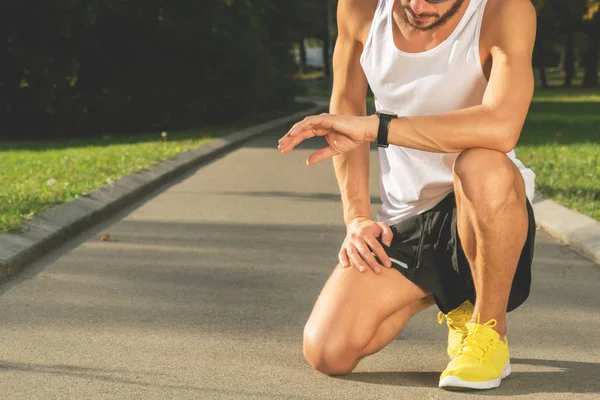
<point x="487" y="179"/>
<point x="327" y="353"/>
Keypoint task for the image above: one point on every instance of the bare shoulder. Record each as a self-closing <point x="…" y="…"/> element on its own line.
<point x="514" y="10"/>
<point x="517" y="17"/>
<point x="354" y="18"/>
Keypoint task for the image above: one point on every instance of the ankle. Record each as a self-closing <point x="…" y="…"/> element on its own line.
<point x="499" y="327"/>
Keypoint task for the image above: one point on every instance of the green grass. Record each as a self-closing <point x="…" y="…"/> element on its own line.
<point x="38" y="175"/>
<point x="561" y="144"/>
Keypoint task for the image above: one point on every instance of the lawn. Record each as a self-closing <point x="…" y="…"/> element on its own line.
<point x="561" y="143"/>
<point x="38" y="175"/>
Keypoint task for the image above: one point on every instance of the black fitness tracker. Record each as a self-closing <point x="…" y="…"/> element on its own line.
<point x="384" y="125"/>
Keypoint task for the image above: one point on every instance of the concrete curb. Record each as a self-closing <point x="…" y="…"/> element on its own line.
<point x="54" y="227"/>
<point x="579" y="231"/>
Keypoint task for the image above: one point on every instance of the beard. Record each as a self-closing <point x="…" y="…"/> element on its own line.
<point x="441" y="19"/>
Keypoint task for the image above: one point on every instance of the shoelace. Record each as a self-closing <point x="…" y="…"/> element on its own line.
<point x="479" y="342"/>
<point x="451" y="316"/>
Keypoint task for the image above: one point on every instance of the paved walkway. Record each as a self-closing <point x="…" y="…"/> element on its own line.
<point x="203" y="290"/>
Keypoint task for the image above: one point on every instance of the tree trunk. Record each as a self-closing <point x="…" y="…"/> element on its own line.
<point x="569" y="64"/>
<point x="303" y="65"/>
<point x="326" y="59"/>
<point x="543" y="76"/>
<point x="539" y="57"/>
<point x="591" y="56"/>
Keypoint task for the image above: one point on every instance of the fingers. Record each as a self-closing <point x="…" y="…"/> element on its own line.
<point x="387" y="234"/>
<point x="362" y="247"/>
<point x="320" y="155"/>
<point x="287" y="143"/>
<point x="379" y="251"/>
<point x="356" y="259"/>
<point x="305" y="129"/>
<point x="367" y="254"/>
<point x="358" y="253"/>
<point x="343" y="257"/>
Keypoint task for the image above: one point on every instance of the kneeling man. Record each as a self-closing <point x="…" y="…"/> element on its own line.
<point x="452" y="81"/>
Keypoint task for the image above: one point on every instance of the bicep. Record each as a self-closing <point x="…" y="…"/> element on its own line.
<point x="511" y="82"/>
<point x="349" y="81"/>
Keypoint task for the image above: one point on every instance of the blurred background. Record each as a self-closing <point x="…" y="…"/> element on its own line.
<point x="73" y="67"/>
<point x="92" y="90"/>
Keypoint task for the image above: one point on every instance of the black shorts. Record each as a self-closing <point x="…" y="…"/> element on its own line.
<point x="426" y="249"/>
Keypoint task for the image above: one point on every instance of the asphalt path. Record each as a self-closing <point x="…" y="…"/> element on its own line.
<point x="203" y="289"/>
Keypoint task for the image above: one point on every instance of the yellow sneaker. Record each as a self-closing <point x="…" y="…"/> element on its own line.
<point x="457" y="330"/>
<point x="482" y="362"/>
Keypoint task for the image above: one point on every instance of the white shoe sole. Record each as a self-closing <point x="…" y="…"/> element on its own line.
<point x="456" y="382"/>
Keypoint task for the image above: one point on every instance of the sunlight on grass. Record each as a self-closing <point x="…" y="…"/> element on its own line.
<point x="38" y="175"/>
<point x="35" y="180"/>
<point x="561" y="144"/>
<point x="567" y="95"/>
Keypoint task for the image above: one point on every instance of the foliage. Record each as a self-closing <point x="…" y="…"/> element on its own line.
<point x="74" y="66"/>
<point x="77" y="67"/>
<point x="559" y="21"/>
<point x="593" y="7"/>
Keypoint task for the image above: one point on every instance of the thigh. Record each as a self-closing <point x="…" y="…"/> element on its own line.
<point x="352" y="305"/>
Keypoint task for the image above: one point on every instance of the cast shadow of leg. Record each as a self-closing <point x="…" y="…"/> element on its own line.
<point x="555" y="376"/>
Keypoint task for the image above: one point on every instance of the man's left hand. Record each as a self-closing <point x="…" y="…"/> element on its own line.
<point x="342" y="132"/>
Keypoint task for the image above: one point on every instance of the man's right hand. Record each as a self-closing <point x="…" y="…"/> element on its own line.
<point x="361" y="242"/>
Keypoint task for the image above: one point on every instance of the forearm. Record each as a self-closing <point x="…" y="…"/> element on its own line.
<point x="352" y="169"/>
<point x="495" y="124"/>
<point x="352" y="172"/>
<point x="474" y="127"/>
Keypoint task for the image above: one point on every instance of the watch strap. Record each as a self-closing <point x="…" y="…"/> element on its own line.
<point x="383" y="129"/>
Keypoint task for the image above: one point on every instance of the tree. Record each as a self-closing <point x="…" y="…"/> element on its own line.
<point x="75" y="67"/>
<point x="544" y="37"/>
<point x="559" y="19"/>
<point x="306" y="19"/>
<point x="593" y="33"/>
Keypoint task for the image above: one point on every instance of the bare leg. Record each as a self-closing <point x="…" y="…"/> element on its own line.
<point x="492" y="225"/>
<point x="393" y="325"/>
<point x="358" y="314"/>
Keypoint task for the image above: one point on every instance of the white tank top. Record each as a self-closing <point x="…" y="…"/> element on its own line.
<point x="446" y="78"/>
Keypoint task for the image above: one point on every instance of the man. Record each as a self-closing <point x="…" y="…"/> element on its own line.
<point x="452" y="81"/>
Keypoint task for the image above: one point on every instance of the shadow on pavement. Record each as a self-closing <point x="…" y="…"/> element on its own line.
<point x="219" y="277"/>
<point x="270" y="139"/>
<point x="570" y="377"/>
<point x="89" y="373"/>
<point x="141" y="379"/>
<point x="297" y="196"/>
<point x="412" y="378"/>
<point x="214" y="277"/>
